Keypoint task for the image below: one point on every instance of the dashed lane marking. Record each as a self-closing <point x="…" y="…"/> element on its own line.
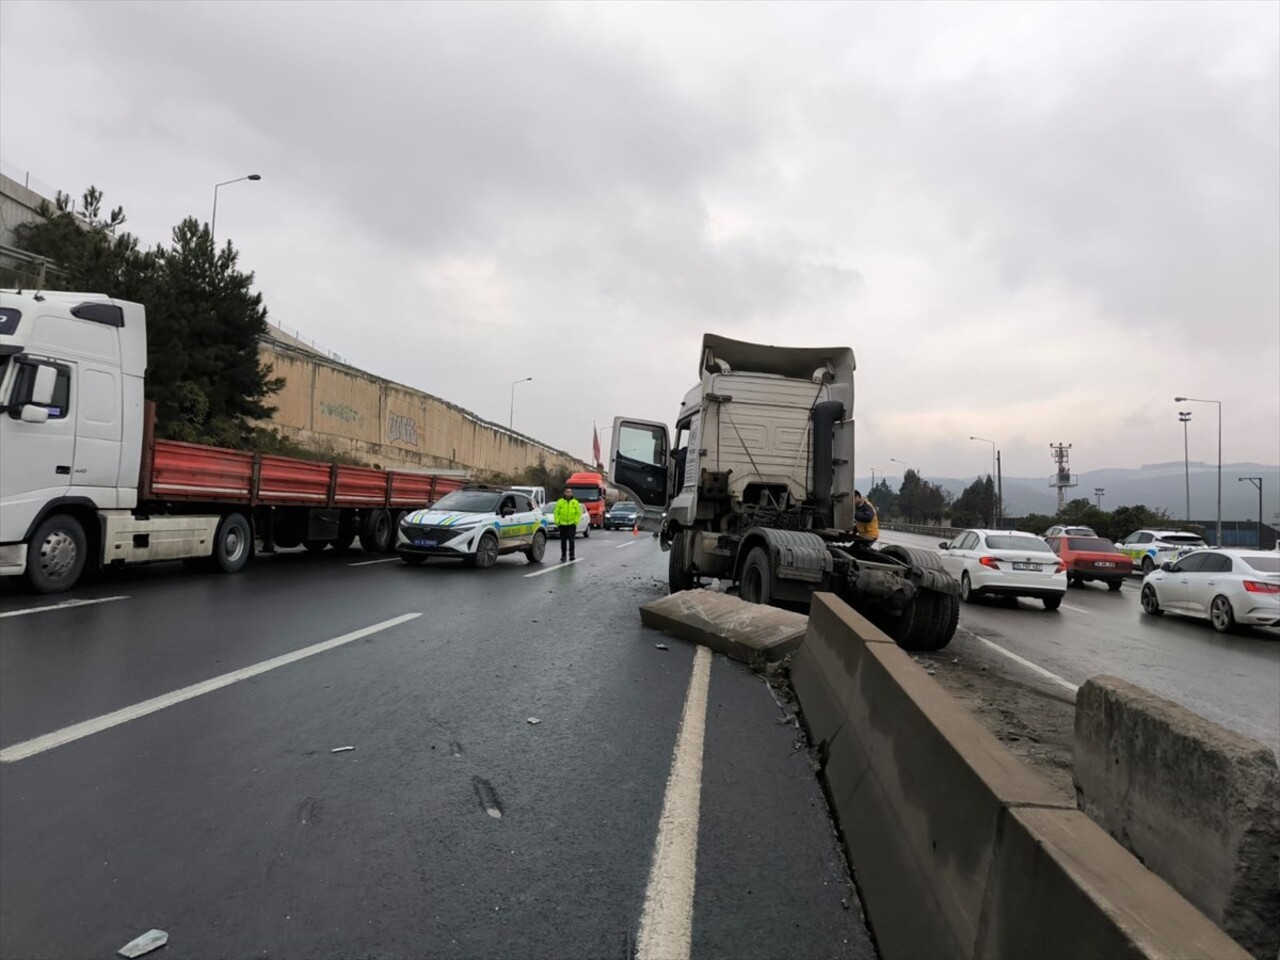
<point x="1067" y="606"/>
<point x="666" y="924"/>
<point x="629" y="543"/>
<point x="365" y="563"/>
<point x="64" y="605"/>
<point x="29" y="748"/>
<point x="551" y="569"/>
<point x="1033" y="667"/>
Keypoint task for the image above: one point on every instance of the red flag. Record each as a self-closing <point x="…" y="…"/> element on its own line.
<point x="595" y="444"/>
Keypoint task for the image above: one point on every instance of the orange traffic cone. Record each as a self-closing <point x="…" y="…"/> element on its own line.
<point x="635" y="527"/>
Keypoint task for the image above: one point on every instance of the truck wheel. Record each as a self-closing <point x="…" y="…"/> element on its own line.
<point x="232" y="544"/>
<point x="757" y="577"/>
<point x="538" y="548"/>
<point x="932" y="625"/>
<point x="678" y="576"/>
<point x="486" y="551"/>
<point x="346" y="533"/>
<point x="377" y="535"/>
<point x="56" y="555"/>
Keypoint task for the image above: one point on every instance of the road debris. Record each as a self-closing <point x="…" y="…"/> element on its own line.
<point x="341" y="749"/>
<point x="660" y="646"/>
<point x="533" y="720"/>
<point x="151" y="940"/>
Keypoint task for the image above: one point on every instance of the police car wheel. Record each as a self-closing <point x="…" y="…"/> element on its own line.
<point x="1147" y="565"/>
<point x="486" y="551"/>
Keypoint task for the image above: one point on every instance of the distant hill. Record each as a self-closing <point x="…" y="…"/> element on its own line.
<point x="1160" y="486"/>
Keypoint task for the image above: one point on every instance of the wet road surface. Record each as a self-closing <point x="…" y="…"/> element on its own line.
<point x="455" y="828"/>
<point x="1232" y="679"/>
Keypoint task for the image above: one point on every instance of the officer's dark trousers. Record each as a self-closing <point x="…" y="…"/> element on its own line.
<point x="567" y="533"/>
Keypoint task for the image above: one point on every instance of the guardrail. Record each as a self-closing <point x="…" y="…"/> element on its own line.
<point x="924" y="530"/>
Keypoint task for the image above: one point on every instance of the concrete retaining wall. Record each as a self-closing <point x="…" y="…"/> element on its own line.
<point x="958" y="848"/>
<point x="1199" y="804"/>
<point x="327" y="404"/>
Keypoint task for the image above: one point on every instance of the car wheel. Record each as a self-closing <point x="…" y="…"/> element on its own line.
<point x="1150" y="602"/>
<point x="1147" y="565"/>
<point x="1221" y="615"/>
<point x="966" y="588"/>
<point x="486" y="551"/>
<point x="1114" y="585"/>
<point x="57" y="554"/>
<point x="538" y="548"/>
<point x="587" y="532"/>
<point x="757" y="578"/>
<point x="1051" y="603"/>
<point x="232" y="544"/>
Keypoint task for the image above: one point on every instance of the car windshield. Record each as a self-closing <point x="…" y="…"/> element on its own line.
<point x="623" y="508"/>
<point x="1184" y="539"/>
<point x="1094" y="544"/>
<point x="1079" y="532"/>
<point x="1000" y="541"/>
<point x="1263" y="564"/>
<point x="586" y="494"/>
<point x="469" y="501"/>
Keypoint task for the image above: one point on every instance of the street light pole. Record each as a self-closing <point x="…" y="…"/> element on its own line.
<point x="1257" y="482"/>
<point x="993" y="476"/>
<point x="1098" y="492"/>
<point x="1218" y="531"/>
<point x="213" y="221"/>
<point x="1184" y="416"/>
<point x="511" y="418"/>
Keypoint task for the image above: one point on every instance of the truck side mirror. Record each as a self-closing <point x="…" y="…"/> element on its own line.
<point x="42" y="388"/>
<point x="34" y="414"/>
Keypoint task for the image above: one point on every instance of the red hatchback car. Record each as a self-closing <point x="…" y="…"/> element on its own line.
<point x="1092" y="558"/>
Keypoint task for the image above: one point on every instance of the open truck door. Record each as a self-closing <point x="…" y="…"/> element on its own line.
<point x="640" y="463"/>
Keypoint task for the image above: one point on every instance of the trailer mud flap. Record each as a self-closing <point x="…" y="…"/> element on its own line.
<point x="797" y="555"/>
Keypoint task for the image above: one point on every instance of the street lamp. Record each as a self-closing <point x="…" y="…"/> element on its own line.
<point x="1257" y="482"/>
<point x="1184" y="417"/>
<point x="1218" y="532"/>
<point x="213" y="222"/>
<point x="511" y="420"/>
<point x="993" y="478"/>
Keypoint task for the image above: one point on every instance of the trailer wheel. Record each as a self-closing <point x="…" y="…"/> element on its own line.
<point x="56" y="555"/>
<point x="232" y="544"/>
<point x="377" y="535"/>
<point x="346" y="532"/>
<point x="756" y="585"/>
<point x="678" y="576"/>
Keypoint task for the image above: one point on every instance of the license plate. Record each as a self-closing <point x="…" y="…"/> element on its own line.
<point x="1027" y="566"/>
<point x="426" y="544"/>
<point x="1104" y="563"/>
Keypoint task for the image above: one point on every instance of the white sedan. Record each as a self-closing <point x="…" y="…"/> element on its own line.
<point x="584" y="521"/>
<point x="1005" y="563"/>
<point x="1225" y="587"/>
<point x="477" y="525"/>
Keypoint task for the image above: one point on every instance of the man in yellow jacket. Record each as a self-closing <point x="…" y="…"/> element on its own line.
<point x="568" y="513"/>
<point x="865" y="522"/>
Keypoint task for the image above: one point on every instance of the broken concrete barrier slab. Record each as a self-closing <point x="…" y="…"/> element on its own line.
<point x="1199" y="804"/>
<point x="725" y="624"/>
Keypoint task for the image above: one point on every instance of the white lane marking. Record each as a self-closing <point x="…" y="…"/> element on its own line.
<point x="365" y="563"/>
<point x="551" y="569"/>
<point x="629" y="543"/>
<point x="29" y="748"/>
<point x="1034" y="668"/>
<point x="64" y="605"/>
<point x="666" y="924"/>
<point x="1067" y="606"/>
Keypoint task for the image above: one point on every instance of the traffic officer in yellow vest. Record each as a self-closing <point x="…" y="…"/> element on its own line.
<point x="568" y="513"/>
<point x="865" y="522"/>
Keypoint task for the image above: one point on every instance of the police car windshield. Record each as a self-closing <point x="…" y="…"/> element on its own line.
<point x="469" y="501"/>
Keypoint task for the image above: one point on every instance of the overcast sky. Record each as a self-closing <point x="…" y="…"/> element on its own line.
<point x="1033" y="222"/>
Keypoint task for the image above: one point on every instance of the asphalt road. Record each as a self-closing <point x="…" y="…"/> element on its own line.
<point x="455" y="828"/>
<point x="1233" y="680"/>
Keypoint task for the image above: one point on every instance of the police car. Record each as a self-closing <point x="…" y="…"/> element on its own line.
<point x="477" y="525"/>
<point x="1150" y="548"/>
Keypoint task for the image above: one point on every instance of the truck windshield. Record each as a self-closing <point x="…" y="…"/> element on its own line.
<point x="586" y="494"/>
<point x="469" y="501"/>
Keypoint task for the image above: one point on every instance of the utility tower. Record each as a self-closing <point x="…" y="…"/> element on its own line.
<point x="1062" y="478"/>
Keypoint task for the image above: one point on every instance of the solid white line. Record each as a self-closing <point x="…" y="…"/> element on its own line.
<point x="629" y="543"/>
<point x="1034" y="668"/>
<point x="558" y="566"/>
<point x="29" y="748"/>
<point x="64" y="605"/>
<point x="666" y="924"/>
<point x="1067" y="606"/>
<point x="365" y="563"/>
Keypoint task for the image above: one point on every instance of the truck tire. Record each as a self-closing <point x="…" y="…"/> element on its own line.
<point x="678" y="576"/>
<point x="57" y="554"/>
<point x="538" y="548"/>
<point x="232" y="544"/>
<point x="315" y="546"/>
<point x="346" y="532"/>
<point x="378" y="535"/>
<point x="756" y="585"/>
<point x="931" y="624"/>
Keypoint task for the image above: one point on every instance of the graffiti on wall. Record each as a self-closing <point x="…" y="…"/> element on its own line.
<point x="401" y="429"/>
<point x="340" y="411"/>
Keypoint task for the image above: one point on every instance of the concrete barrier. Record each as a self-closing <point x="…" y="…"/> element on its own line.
<point x="1199" y="804"/>
<point x="958" y="848"/>
<point x="744" y="631"/>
